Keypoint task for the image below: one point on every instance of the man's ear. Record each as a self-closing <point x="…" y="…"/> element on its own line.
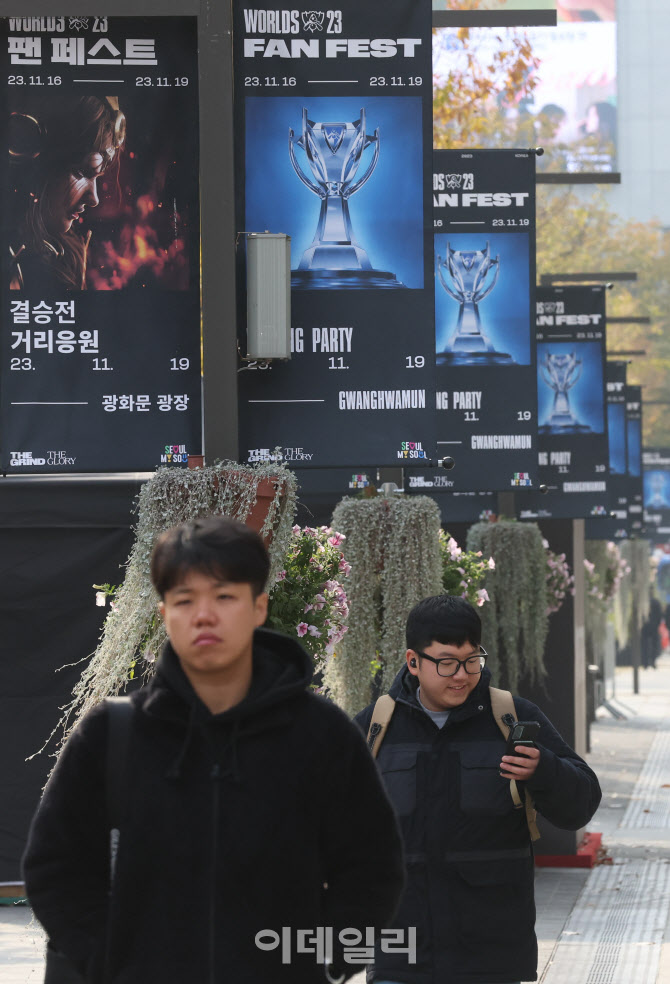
<point x="412" y="662"/>
<point x="261" y="608"/>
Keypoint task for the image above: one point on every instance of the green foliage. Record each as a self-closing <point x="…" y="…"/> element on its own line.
<point x="515" y="623"/>
<point x="472" y="100"/>
<point x="307" y="600"/>
<point x="631" y="601"/>
<point x="393" y="548"/>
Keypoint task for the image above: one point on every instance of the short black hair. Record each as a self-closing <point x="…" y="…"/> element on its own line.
<point x="448" y="619"/>
<point x="216" y="545"/>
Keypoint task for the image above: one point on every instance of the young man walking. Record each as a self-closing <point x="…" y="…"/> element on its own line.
<point x="255" y="826"/>
<point x="468" y="850"/>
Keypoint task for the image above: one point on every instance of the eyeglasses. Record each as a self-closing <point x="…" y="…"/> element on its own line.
<point x="449" y="666"/>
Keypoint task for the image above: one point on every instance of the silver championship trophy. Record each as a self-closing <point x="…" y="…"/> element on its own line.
<point x="472" y="275"/>
<point x="659" y="498"/>
<point x="560" y="373"/>
<point x="334" y="152"/>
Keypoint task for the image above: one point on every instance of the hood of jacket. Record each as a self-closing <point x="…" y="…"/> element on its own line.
<point x="282" y="670"/>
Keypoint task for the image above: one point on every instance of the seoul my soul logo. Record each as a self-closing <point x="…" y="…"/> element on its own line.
<point x="411" y="449"/>
<point x="174" y="454"/>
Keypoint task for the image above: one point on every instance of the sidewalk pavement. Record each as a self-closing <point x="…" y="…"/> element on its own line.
<point x="607" y="925"/>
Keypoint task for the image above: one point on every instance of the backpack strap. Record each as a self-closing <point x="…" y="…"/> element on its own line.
<point x="381" y="716"/>
<point x="119" y="719"/>
<point x="504" y="712"/>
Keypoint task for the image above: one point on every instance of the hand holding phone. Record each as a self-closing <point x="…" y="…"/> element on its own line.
<point x="522" y="735"/>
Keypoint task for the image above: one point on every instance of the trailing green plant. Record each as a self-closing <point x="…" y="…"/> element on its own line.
<point x="132" y="633"/>
<point x="604" y="569"/>
<point x="463" y="571"/>
<point x="631" y="601"/>
<point x="308" y="600"/>
<point x="515" y="623"/>
<point x="392" y="545"/>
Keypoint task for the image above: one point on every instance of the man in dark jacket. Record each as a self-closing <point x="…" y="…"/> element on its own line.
<point x="255" y="821"/>
<point x="468" y="851"/>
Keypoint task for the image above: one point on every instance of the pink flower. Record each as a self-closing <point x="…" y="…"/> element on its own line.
<point x="344" y="567"/>
<point x="482" y="596"/>
<point x="313" y="631"/>
<point x="302" y="628"/>
<point x="281" y="576"/>
<point x="492" y="564"/>
<point x="296" y="529"/>
<point x="336" y="539"/>
<point x="307" y="608"/>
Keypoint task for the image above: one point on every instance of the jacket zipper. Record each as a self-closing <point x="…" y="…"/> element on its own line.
<point x="215" y="776"/>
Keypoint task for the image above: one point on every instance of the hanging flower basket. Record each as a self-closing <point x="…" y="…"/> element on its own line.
<point x="393" y="548"/>
<point x="308" y="600"/>
<point x="514" y="624"/>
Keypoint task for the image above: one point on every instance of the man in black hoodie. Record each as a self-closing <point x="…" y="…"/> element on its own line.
<point x="469" y="856"/>
<point x="255" y="825"/>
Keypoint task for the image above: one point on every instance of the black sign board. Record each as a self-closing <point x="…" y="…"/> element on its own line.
<point x="573" y="449"/>
<point x="334" y="124"/>
<point x="484" y="254"/>
<point x="616" y="525"/>
<point x="100" y="289"/>
<point x="656" y="490"/>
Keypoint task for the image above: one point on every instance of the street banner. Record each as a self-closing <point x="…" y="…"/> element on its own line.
<point x="616" y="524"/>
<point x="100" y="292"/>
<point x="573" y="448"/>
<point x="334" y="140"/>
<point x="656" y="490"/>
<point x="484" y="254"/>
<point x="634" y="458"/>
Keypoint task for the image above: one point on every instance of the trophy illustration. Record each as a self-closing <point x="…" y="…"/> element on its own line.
<point x="472" y="276"/>
<point x="560" y="373"/>
<point x="658" y="498"/>
<point x="334" y="152"/>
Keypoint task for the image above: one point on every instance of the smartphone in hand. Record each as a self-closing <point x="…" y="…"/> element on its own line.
<point x="522" y="733"/>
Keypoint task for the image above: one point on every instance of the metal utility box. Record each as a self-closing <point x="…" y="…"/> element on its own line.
<point x="268" y="295"/>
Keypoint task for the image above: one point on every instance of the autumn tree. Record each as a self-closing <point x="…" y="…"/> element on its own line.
<point x="578" y="233"/>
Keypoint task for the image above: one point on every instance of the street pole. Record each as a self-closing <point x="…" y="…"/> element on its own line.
<point x="635" y="645"/>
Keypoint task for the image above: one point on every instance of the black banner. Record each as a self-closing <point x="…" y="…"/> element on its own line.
<point x="334" y="118"/>
<point x="656" y="490"/>
<point x="101" y="277"/>
<point x="484" y="254"/>
<point x="573" y="448"/>
<point x="616" y="525"/>
<point x="634" y="458"/>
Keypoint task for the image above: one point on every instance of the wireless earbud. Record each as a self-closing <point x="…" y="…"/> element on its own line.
<point x="412" y="662"/>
